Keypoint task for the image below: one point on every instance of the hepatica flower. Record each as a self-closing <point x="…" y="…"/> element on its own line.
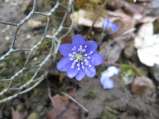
<point x="109" y="25"/>
<point x="106" y="80"/>
<point x="79" y="58"/>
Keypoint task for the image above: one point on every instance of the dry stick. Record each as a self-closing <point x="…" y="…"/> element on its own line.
<point x="22" y="92"/>
<point x="75" y="101"/>
<point x="70" y="97"/>
<point x="8" y="23"/>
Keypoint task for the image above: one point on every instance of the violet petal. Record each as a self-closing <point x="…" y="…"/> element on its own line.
<point x="97" y="59"/>
<point x="78" y="40"/>
<point x="61" y="66"/>
<point x="91" y="46"/>
<point x="80" y="75"/>
<point x="65" y="49"/>
<point x="72" y="72"/>
<point x="90" y="72"/>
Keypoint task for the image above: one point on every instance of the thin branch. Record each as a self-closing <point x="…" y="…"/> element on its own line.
<point x="75" y="101"/>
<point x="8" y="23"/>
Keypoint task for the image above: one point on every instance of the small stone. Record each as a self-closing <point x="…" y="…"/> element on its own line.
<point x="34" y="24"/>
<point x="35" y="59"/>
<point x="28" y="36"/>
<point x="7" y="38"/>
<point x="142" y="85"/>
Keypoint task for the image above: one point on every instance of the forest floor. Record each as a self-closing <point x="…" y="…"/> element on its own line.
<point x="122" y="102"/>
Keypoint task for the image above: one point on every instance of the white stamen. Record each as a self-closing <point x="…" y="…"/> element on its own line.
<point x="74" y="52"/>
<point x="82" y="65"/>
<point x="86" y="63"/>
<point x="74" y="48"/>
<point x="70" y="55"/>
<point x="85" y="60"/>
<point x="91" y="52"/>
<point x="71" y="59"/>
<point x="73" y="64"/>
<point x="85" y="54"/>
<point x="90" y="66"/>
<point x="78" y="64"/>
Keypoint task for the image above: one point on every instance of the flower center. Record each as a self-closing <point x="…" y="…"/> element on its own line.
<point x="78" y="57"/>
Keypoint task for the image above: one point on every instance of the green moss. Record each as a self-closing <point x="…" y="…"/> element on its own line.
<point x="40" y="53"/>
<point x="107" y="115"/>
<point x="47" y="3"/>
<point x="23" y="78"/>
<point x="156" y="26"/>
<point x="130" y="71"/>
<point x="131" y="1"/>
<point x="91" y="94"/>
<point x="11" y="64"/>
<point x="3" y="85"/>
<point x="44" y="47"/>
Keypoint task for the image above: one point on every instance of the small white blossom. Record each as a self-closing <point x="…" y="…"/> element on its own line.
<point x="106" y="80"/>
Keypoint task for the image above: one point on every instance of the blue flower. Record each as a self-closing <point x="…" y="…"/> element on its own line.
<point x="109" y="25"/>
<point x="80" y="58"/>
<point x="111" y="71"/>
<point x="106" y="80"/>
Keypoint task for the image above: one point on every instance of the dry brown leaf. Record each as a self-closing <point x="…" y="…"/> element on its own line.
<point x="63" y="108"/>
<point x="125" y="22"/>
<point x="80" y="3"/>
<point x="85" y="3"/>
<point x="18" y="115"/>
<point x="111" y="52"/>
<point x="89" y="18"/>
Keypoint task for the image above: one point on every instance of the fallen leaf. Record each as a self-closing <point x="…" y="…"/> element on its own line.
<point x="147" y="44"/>
<point x="130" y="50"/>
<point x="33" y="115"/>
<point x="125" y="22"/>
<point x="80" y="3"/>
<point x="63" y="108"/>
<point x="87" y="18"/>
<point x="18" y="115"/>
<point x="86" y="3"/>
<point x="111" y="52"/>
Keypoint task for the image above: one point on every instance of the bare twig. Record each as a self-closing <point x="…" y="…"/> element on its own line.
<point x="75" y="101"/>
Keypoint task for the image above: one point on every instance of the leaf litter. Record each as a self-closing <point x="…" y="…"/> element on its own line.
<point x="130" y="97"/>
